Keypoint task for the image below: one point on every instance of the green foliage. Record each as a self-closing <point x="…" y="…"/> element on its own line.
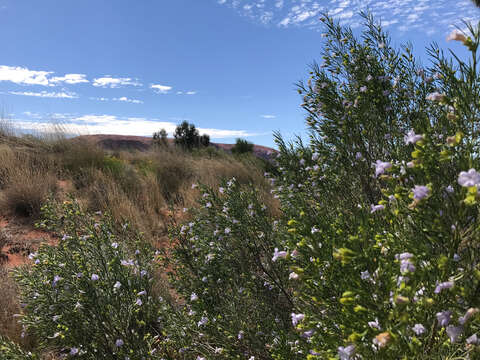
<point x="385" y="256"/>
<point x="160" y="138"/>
<point x="188" y="137"/>
<point x="237" y="297"/>
<point x="93" y="293"/>
<point x="11" y="351"/>
<point x="242" y="147"/>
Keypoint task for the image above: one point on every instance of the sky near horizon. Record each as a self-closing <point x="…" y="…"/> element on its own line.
<point x="228" y="66"/>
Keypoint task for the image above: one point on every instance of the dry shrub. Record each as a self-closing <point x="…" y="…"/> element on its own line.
<point x="26" y="192"/>
<point x="142" y="207"/>
<point x="9" y="306"/>
<point x="27" y="179"/>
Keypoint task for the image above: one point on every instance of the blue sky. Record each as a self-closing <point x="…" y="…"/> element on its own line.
<point x="229" y="66"/>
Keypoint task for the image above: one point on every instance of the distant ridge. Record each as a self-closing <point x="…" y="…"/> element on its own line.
<point x="144" y="143"/>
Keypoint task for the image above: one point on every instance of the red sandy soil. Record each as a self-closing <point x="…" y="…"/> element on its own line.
<point x="23" y="239"/>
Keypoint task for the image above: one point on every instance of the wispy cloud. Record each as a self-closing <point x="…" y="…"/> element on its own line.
<point x="161" y="89"/>
<point x="70" y="79"/>
<point x="111" y="124"/>
<point x="186" y="92"/>
<point x="403" y="15"/>
<point x="125" y="99"/>
<point x="113" y="82"/>
<point x="45" y="94"/>
<point x="23" y="76"/>
<point x="268" y="116"/>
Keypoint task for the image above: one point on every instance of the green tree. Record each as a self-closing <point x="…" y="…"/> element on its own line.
<point x="160" y="138"/>
<point x="242" y="146"/>
<point x="188" y="137"/>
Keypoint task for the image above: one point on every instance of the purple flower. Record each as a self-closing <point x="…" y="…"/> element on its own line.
<point x="347" y="352"/>
<point x="403" y="256"/>
<point x="193" y="297"/>
<point x="412" y="138"/>
<point x="374" y="324"/>
<point x="468" y="315"/>
<point x="435" y="96"/>
<point x="296" y="318"/>
<point x="469" y="178"/>
<point x="420" y="192"/>
<point x="363" y="89"/>
<point x="473" y="340"/>
<point x="56" y="279"/>
<point x="95" y="277"/>
<point x="374" y="208"/>
<point x="419" y="329"/>
<point x="138" y="302"/>
<point x="278" y="254"/>
<point x="308" y="334"/>
<point x="406" y="266"/>
<point x="203" y="321"/>
<point x="381" y="166"/>
<point x="119" y="343"/>
<point x="369" y="78"/>
<point x="114" y="245"/>
<point x="449" y="189"/>
<point x="443" y="317"/>
<point x="454" y="332"/>
<point x="117" y="285"/>
<point x="365" y="275"/>
<point x="73" y="351"/>
<point x="442" y="286"/>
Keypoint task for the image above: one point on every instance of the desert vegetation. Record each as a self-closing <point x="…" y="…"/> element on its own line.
<point x="363" y="244"/>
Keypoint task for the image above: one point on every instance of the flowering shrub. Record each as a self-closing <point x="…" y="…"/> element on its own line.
<point x="382" y="207"/>
<point x="91" y="296"/>
<point x="237" y="294"/>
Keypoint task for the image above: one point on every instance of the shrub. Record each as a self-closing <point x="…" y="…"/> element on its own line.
<point x="91" y="296"/>
<point x="242" y="146"/>
<point x="238" y="299"/>
<point x="26" y="191"/>
<point x="385" y="264"/>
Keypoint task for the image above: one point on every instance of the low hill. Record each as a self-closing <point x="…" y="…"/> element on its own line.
<point x="143" y="143"/>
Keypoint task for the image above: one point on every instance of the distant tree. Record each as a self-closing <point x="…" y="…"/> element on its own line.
<point x="205" y="140"/>
<point x="160" y="138"/>
<point x="188" y="137"/>
<point x="242" y="146"/>
<point x="477" y="2"/>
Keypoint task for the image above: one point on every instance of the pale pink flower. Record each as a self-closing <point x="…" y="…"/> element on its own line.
<point x="457" y="36"/>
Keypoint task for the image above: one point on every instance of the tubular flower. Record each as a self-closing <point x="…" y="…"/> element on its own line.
<point x="469" y="178"/>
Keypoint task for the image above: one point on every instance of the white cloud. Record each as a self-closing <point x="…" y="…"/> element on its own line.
<point x="45" y="94"/>
<point x="24" y="76"/>
<point x="111" y="124"/>
<point x="268" y="116"/>
<point x="401" y="15"/>
<point x="125" y="99"/>
<point x="99" y="98"/>
<point x="112" y="82"/>
<point x="186" y="92"/>
<point x="70" y="79"/>
<point x="161" y="89"/>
